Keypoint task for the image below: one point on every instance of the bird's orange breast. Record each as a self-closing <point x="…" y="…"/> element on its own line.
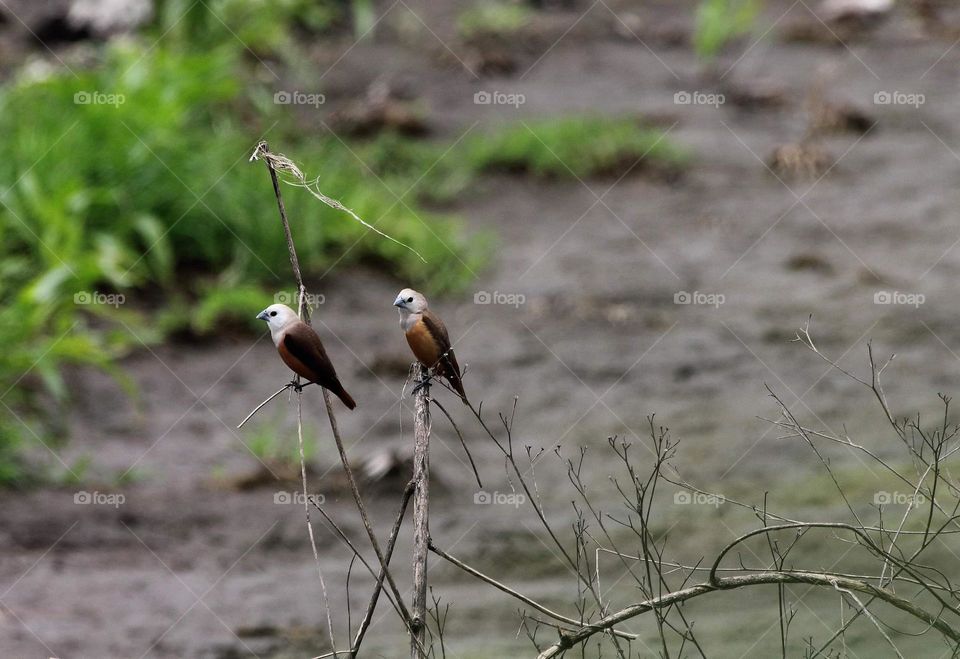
<point x="423" y="345"/>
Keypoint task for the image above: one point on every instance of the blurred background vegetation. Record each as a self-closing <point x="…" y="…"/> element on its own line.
<point x="147" y="193"/>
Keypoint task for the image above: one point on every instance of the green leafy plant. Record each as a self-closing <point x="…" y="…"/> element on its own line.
<point x="265" y="27"/>
<point x="129" y="186"/>
<point x="720" y="21"/>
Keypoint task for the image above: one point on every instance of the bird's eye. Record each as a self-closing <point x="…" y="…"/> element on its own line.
<point x="409" y="299"/>
<point x="273" y="313"/>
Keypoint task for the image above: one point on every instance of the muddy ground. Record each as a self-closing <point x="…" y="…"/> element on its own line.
<point x="190" y="565"/>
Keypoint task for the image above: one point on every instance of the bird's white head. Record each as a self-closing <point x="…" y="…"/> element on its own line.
<point x="278" y="317"/>
<point x="409" y="303"/>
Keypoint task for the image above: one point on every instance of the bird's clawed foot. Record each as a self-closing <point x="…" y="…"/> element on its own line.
<point x="296" y="386"/>
<point x="424" y="384"/>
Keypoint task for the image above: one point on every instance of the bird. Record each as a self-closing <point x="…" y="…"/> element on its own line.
<point x="300" y="348"/>
<point x="428" y="338"/>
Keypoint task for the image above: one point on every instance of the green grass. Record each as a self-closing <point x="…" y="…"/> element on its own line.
<point x="495" y="18"/>
<point x="575" y="147"/>
<point x="555" y="148"/>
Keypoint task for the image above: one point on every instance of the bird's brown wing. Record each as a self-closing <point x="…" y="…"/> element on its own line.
<point x="304" y="353"/>
<point x="447" y="363"/>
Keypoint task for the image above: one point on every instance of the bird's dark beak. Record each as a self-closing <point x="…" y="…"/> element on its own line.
<point x="262" y="315"/>
<point x="398" y="302"/>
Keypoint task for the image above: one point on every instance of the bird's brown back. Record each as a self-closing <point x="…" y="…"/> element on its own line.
<point x="302" y="350"/>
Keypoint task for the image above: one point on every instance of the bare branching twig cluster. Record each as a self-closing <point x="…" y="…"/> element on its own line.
<point x="901" y="581"/>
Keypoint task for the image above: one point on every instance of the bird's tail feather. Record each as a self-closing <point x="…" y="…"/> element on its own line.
<point x="458" y="387"/>
<point x="344" y="397"/>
